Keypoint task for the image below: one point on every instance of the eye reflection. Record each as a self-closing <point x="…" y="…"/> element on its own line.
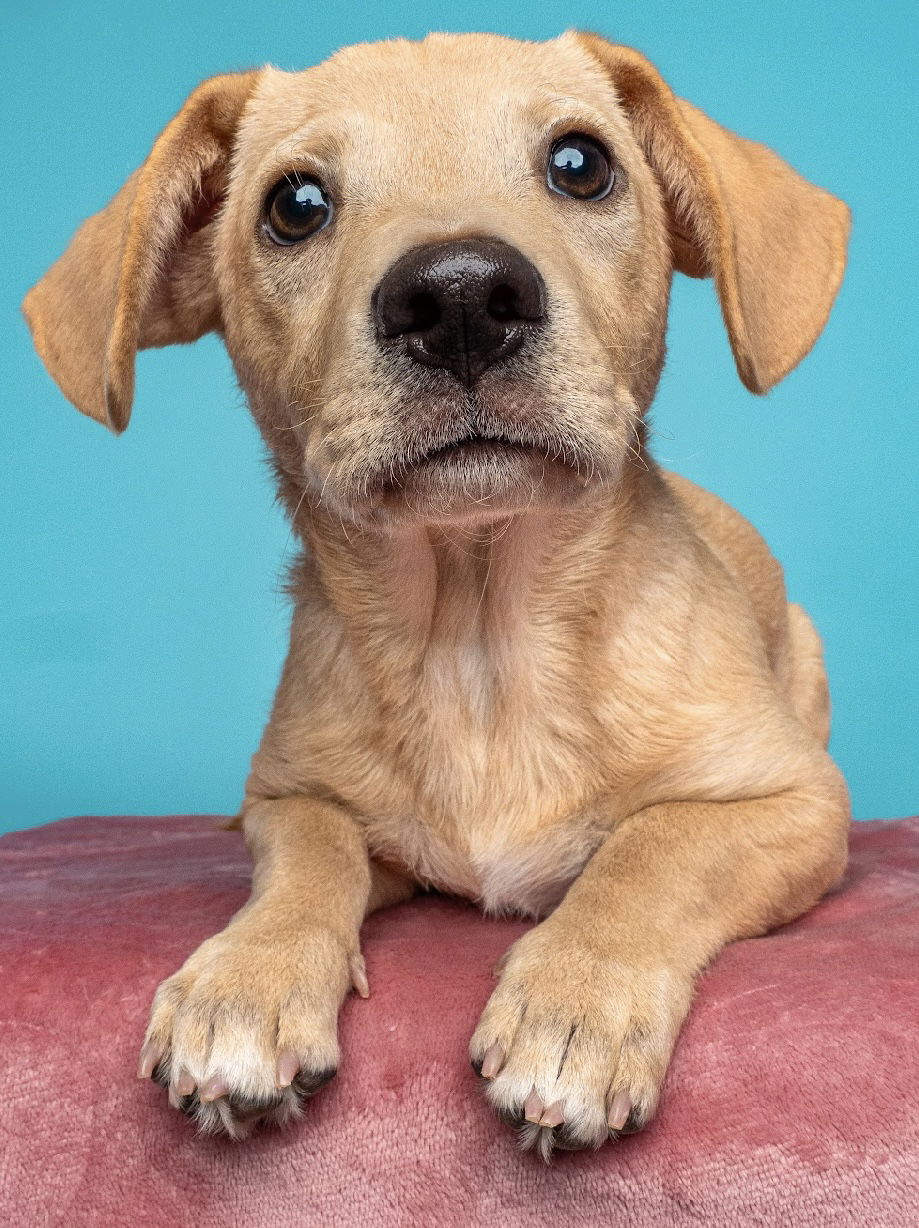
<point x="297" y="208"/>
<point x="581" y="168"/>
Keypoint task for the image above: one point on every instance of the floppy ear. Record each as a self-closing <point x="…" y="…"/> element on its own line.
<point x="139" y="273"/>
<point x="774" y="243"/>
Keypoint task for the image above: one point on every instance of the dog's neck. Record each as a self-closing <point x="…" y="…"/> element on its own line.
<point x="435" y="589"/>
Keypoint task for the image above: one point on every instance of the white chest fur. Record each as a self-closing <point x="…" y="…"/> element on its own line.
<point x="501" y="768"/>
<point x="504" y="871"/>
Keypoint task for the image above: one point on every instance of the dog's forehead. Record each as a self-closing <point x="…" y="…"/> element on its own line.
<point x="392" y="99"/>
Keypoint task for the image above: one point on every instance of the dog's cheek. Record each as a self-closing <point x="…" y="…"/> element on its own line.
<point x="623" y="267"/>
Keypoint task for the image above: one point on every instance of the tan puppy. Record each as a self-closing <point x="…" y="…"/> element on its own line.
<point x="526" y="666"/>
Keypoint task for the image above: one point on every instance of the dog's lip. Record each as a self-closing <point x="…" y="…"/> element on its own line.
<point x="485" y="460"/>
<point x="471" y="446"/>
<point x="471" y="450"/>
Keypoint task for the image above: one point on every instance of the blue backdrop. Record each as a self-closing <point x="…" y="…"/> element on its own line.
<point x="141" y="620"/>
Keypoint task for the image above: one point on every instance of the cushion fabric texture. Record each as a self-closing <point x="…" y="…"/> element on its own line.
<point x="793" y="1097"/>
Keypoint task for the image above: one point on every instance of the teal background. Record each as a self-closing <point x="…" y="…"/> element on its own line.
<point x="142" y="624"/>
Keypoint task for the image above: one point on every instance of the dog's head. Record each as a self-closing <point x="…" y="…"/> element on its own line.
<point x="442" y="268"/>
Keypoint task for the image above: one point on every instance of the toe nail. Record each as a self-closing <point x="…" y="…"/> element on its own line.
<point x="492" y="1061"/>
<point x="359" y="976"/>
<point x="288" y="1068"/>
<point x="149" y="1057"/>
<point x="500" y="965"/>
<point x="213" y="1089"/>
<point x="185" y="1084"/>
<point x="619" y="1110"/>
<point x="533" y="1108"/>
<point x="554" y="1114"/>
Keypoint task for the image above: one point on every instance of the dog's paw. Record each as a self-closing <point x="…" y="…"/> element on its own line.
<point x="574" y="1044"/>
<point x="246" y="1030"/>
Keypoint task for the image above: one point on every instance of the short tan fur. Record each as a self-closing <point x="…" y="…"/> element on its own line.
<point x="569" y="685"/>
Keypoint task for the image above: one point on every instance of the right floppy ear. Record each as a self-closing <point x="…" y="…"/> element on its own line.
<point x="774" y="243"/>
<point x="139" y="273"/>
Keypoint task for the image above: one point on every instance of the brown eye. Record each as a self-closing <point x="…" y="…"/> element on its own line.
<point x="296" y="208"/>
<point x="579" y="166"/>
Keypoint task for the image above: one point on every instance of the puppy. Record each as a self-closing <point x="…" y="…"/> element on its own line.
<point x="526" y="666"/>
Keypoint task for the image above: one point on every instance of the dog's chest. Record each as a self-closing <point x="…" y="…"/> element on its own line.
<point x="500" y="774"/>
<point x="505" y="872"/>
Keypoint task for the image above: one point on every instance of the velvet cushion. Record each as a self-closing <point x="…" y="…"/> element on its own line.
<point x="793" y="1098"/>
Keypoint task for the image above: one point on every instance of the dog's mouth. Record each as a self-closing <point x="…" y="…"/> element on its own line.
<point x="478" y="474"/>
<point x="477" y="449"/>
<point x="467" y="457"/>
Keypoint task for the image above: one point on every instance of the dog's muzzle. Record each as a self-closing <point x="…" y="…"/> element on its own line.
<point x="460" y="305"/>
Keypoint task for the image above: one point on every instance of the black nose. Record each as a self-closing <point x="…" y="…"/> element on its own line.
<point x="460" y="305"/>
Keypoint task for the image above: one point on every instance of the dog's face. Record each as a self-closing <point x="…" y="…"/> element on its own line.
<point x="442" y="268"/>
<point x="447" y="283"/>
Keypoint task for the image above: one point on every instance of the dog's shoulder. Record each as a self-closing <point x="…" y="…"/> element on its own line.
<point x="741" y="549"/>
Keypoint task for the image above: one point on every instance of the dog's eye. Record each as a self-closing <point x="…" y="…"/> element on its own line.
<point x="296" y="208"/>
<point x="579" y="166"/>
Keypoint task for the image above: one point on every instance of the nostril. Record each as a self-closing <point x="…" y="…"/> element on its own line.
<point x="399" y="312"/>
<point x="503" y="304"/>
<point x="423" y="312"/>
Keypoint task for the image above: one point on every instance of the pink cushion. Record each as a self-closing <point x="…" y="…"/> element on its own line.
<point x="792" y="1098"/>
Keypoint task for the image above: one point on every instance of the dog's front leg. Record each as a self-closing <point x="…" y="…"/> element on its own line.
<point x="576" y="1039"/>
<point x="247" y="1028"/>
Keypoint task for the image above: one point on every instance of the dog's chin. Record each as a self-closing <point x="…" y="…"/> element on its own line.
<point x="476" y="480"/>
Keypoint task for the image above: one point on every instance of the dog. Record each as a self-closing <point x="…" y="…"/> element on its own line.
<point x="527" y="666"/>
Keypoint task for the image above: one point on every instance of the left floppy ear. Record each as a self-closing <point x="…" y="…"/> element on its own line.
<point x="774" y="243"/>
<point x="139" y="273"/>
